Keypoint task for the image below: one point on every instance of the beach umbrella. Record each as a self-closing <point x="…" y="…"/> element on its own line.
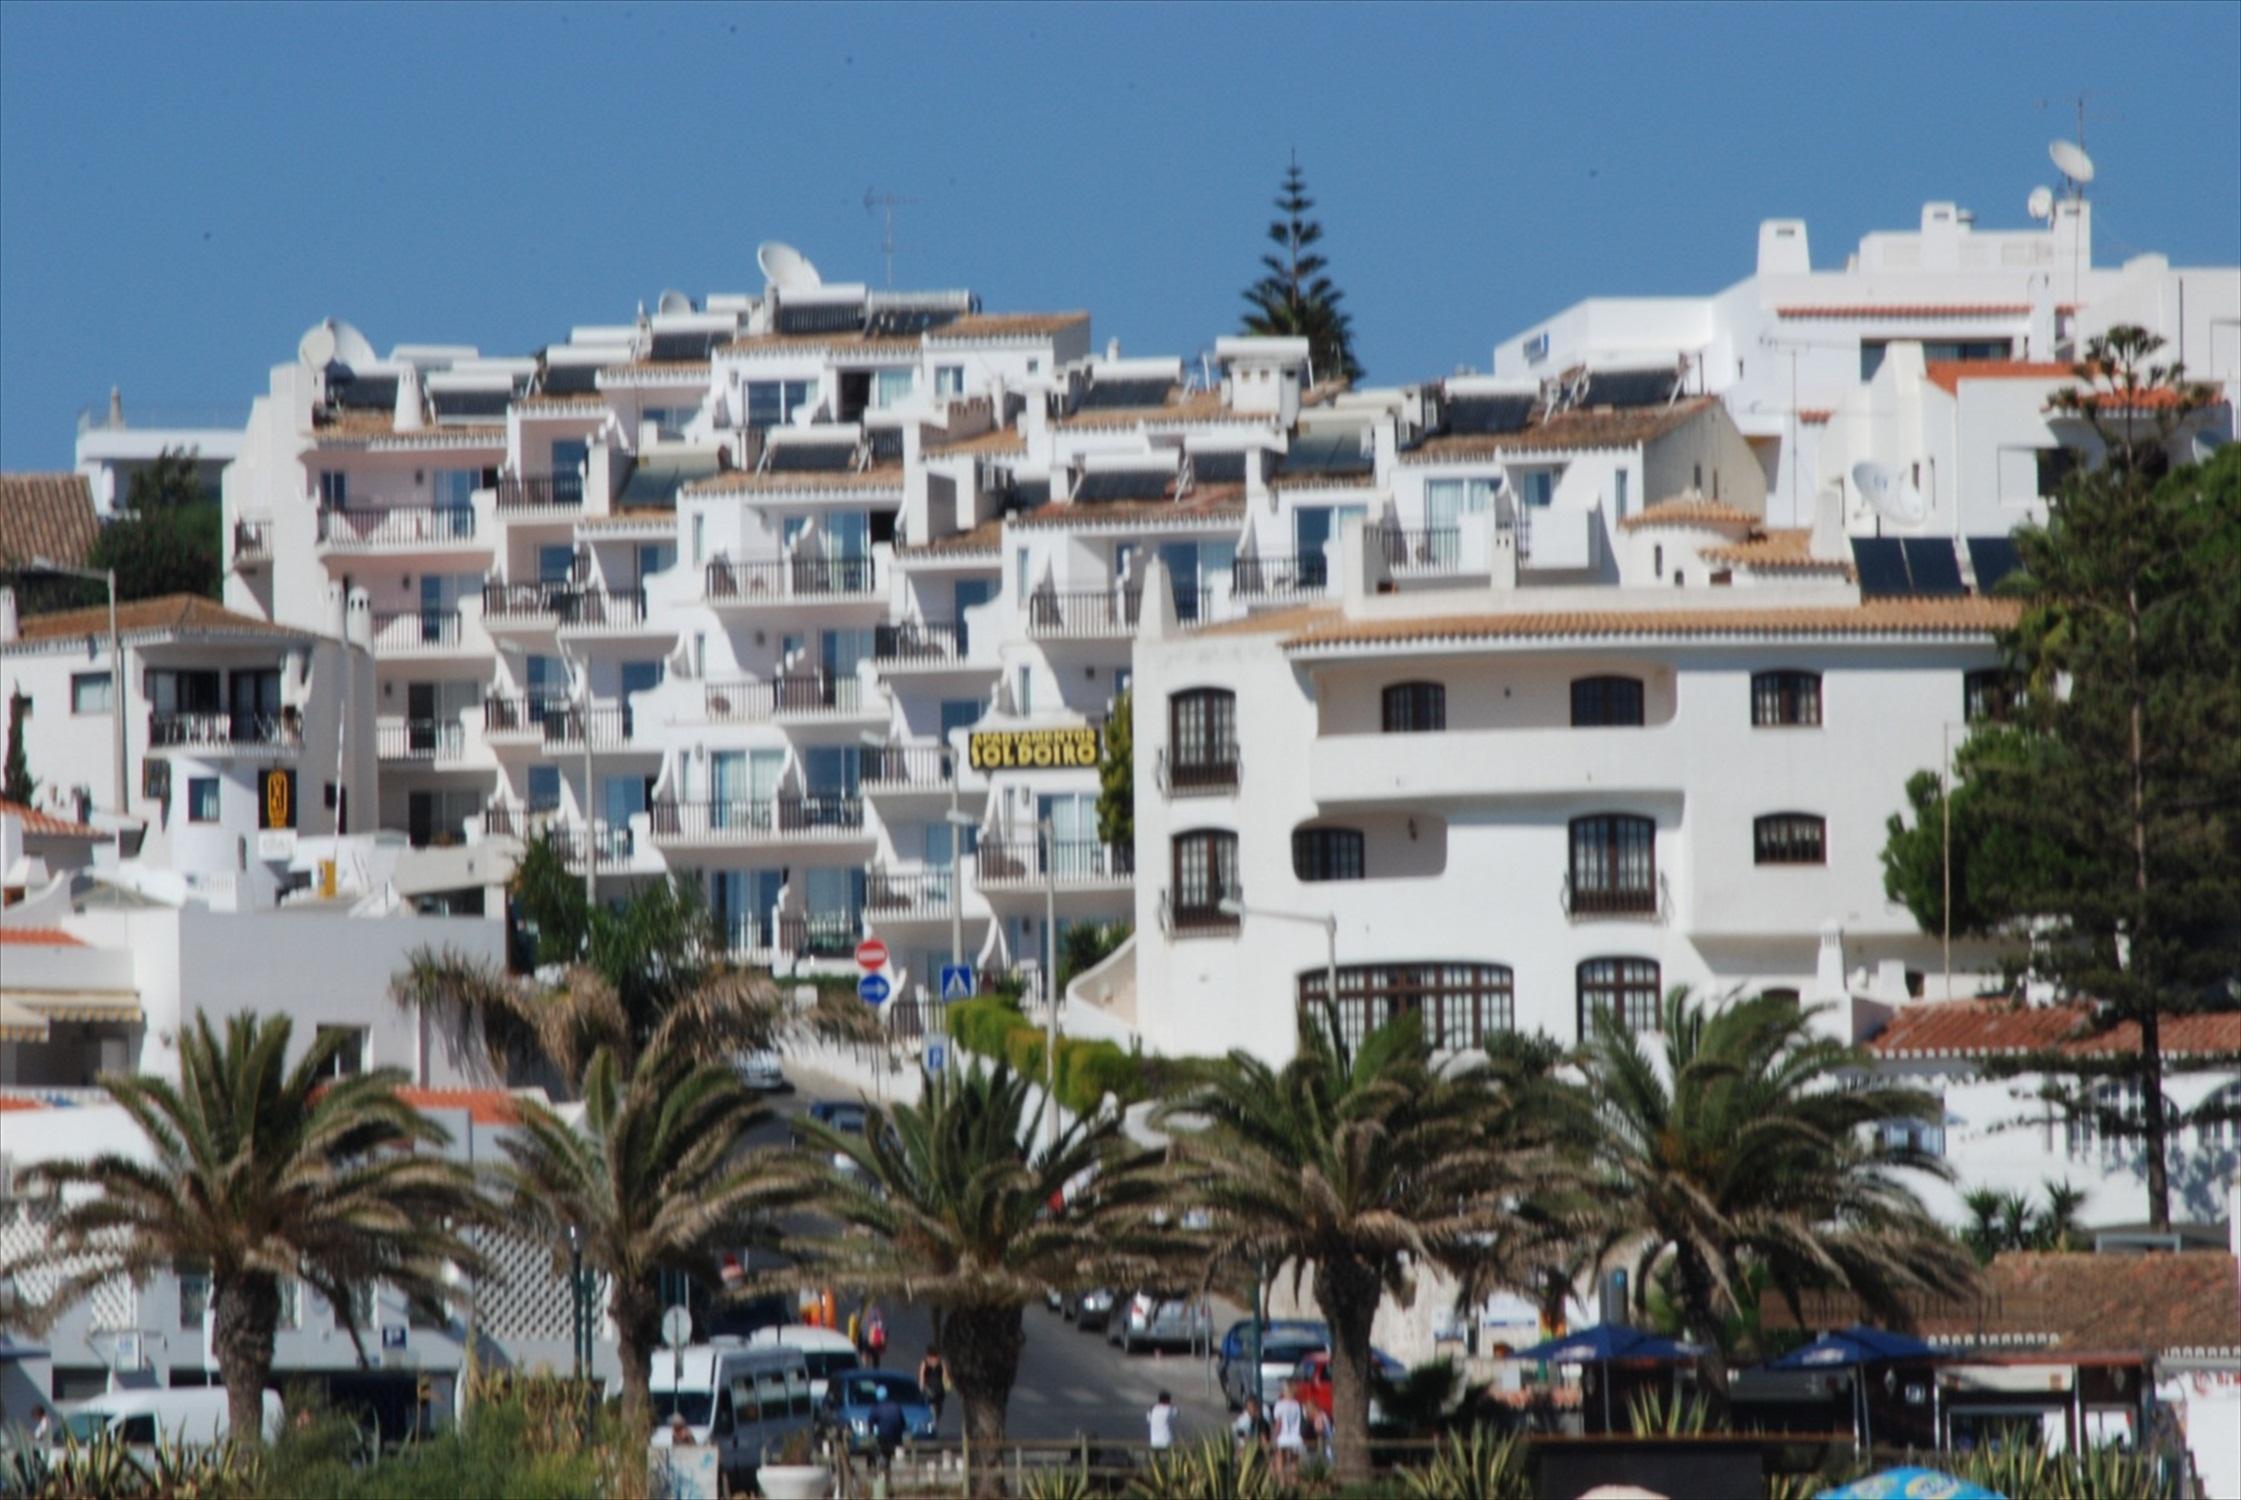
<point x="1606" y="1343"/>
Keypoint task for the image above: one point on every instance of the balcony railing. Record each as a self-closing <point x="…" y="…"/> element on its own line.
<point x="1029" y="862"/>
<point x="1436" y="549"/>
<point x="604" y="725"/>
<point x="789" y="578"/>
<point x="223" y="731"/>
<point x="600" y="609"/>
<point x="723" y="820"/>
<point x="252" y="541"/>
<point x="820" y="934"/>
<point x="540" y="491"/>
<point x="1196" y="916"/>
<point x="419" y="739"/>
<point x="613" y="845"/>
<point x="933" y="767"/>
<point x="1625" y="897"/>
<point x="895" y="897"/>
<point x="759" y="701"/>
<point x="916" y="643"/>
<point x="1215" y="771"/>
<point x="418" y="630"/>
<point x="396" y="526"/>
<point x="503" y="602"/>
<point x="504" y="715"/>
<point x="1083" y="611"/>
<point x="1276" y="575"/>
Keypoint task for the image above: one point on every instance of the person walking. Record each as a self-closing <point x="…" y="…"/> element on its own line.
<point x="887" y="1426"/>
<point x="1288" y="1425"/>
<point x="933" y="1379"/>
<point x="856" y="1331"/>
<point x="42" y="1426"/>
<point x="1250" y="1430"/>
<point x="1161" y="1420"/>
<point x="875" y="1337"/>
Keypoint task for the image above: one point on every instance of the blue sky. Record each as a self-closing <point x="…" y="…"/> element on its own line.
<point x="184" y="189"/>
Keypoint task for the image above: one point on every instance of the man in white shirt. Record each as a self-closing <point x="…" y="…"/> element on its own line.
<point x="1289" y="1422"/>
<point x="1162" y="1420"/>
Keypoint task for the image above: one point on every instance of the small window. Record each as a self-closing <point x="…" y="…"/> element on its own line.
<point x="544" y="789"/>
<point x="1626" y="988"/>
<point x="1205" y="874"/>
<point x="1920" y="1137"/>
<point x="139" y="1431"/>
<point x="1604" y="702"/>
<point x="1327" y="853"/>
<point x="194" y="1295"/>
<point x="949" y="380"/>
<point x="1790" y="839"/>
<point x="2055" y="466"/>
<point x="1791" y="699"/>
<point x="1988" y="696"/>
<point x="89" y="692"/>
<point x="1540" y="488"/>
<point x="1202" y="737"/>
<point x="1415" y="708"/>
<point x="350" y="1057"/>
<point x="1614" y="865"/>
<point x="202" y="799"/>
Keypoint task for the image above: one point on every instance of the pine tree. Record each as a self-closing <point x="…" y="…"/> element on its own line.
<point x="16" y="784"/>
<point x="1295" y="299"/>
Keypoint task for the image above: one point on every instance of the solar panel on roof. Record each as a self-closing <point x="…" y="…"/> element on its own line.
<point x="811" y="458"/>
<point x="364" y="393"/>
<point x="684" y="346"/>
<point x="1993" y="558"/>
<point x="469" y="406"/>
<point x="1931" y="565"/>
<point x="1124" y="484"/>
<point x="570" y="380"/>
<point x="1629" y="388"/>
<point x="1120" y="395"/>
<point x="1489" y="415"/>
<point x="908" y="320"/>
<point x="1882" y="566"/>
<point x="1326" y="453"/>
<point x="1218" y="468"/>
<point x="1027" y="494"/>
<point x="821" y="317"/>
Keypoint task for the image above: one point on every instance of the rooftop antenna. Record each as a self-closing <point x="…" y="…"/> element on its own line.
<point x="1892" y="495"/>
<point x="874" y="202"/>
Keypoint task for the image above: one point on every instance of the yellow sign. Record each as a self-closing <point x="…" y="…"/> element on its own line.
<point x="1034" y="749"/>
<point x="276" y="802"/>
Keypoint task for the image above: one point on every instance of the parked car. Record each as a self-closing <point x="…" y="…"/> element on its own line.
<point x="1311" y="1379"/>
<point x="762" y="1072"/>
<point x="740" y="1401"/>
<point x="1283" y="1346"/>
<point x="841" y="1116"/>
<point x="1160" y="1320"/>
<point x="1091" y="1310"/>
<point x="826" y="1351"/>
<point x="849" y="1399"/>
<point x="144" y="1420"/>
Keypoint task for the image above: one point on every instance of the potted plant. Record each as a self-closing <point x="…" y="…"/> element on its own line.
<point x="795" y="1472"/>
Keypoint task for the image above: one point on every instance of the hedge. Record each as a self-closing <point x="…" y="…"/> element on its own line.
<point x="1087" y="1070"/>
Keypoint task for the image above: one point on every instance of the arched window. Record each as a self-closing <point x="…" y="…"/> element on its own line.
<point x="2218" y="1121"/>
<point x="1415" y="708"/>
<point x="1614" y="865"/>
<point x="1327" y="853"/>
<point x="1205" y="874"/>
<point x="1461" y="1004"/>
<point x="1626" y="988"/>
<point x="1791" y="838"/>
<point x="2113" y="1121"/>
<point x="1791" y="699"/>
<point x="1604" y="702"/>
<point x="1202" y="739"/>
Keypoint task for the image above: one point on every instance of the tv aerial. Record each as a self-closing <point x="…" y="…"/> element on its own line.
<point x="1889" y="493"/>
<point x="874" y="202"/>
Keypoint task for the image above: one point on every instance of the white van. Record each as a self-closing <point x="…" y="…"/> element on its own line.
<point x="826" y="1350"/>
<point x="737" y="1400"/>
<point x="195" y="1416"/>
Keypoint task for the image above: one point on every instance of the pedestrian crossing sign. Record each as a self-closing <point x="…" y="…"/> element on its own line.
<point x="957" y="981"/>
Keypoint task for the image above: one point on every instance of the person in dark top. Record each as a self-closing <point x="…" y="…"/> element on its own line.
<point x="887" y="1425"/>
<point x="933" y="1378"/>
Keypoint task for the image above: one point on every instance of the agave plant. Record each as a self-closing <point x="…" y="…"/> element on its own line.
<point x="1656" y="1413"/>
<point x="1057" y="1484"/>
<point x="1212" y="1470"/>
<point x="1475" y="1464"/>
<point x="2095" y="1474"/>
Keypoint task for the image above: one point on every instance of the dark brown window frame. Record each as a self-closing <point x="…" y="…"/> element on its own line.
<point x="1371" y="994"/>
<point x="1794" y="695"/>
<point x="1623" y="835"/>
<point x="1638" y="1001"/>
<point x="1202" y="722"/>
<point x="1201" y="911"/>
<point x="1775" y="841"/>
<point x="1322" y="839"/>
<point x="1421" y="707"/>
<point x="1596" y="690"/>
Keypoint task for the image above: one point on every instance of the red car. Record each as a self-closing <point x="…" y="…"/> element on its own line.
<point x="1311" y="1381"/>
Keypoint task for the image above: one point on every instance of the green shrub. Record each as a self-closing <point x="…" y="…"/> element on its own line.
<point x="982" y="1025"/>
<point x="1094" y="1069"/>
<point x="1023" y="1049"/>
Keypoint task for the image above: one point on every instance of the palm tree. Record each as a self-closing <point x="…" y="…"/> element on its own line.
<point x="1748" y="1149"/>
<point x="655" y="1180"/>
<point x="953" y="1203"/>
<point x="1363" y="1164"/>
<point x="260" y="1171"/>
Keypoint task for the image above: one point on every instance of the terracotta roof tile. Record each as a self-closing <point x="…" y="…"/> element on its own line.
<point x="1816" y="416"/>
<point x="988" y="536"/>
<point x="997" y="440"/>
<point x="171" y="613"/>
<point x="2000" y="1028"/>
<point x="1005" y="326"/>
<point x="1599" y="427"/>
<point x="1181" y="407"/>
<point x="483" y="1106"/>
<point x="47" y="825"/>
<point x="1947" y="374"/>
<point x="1967" y="615"/>
<point x="1776" y="548"/>
<point x="10" y="1102"/>
<point x="1688" y="510"/>
<point x="37" y="937"/>
<point x="1907" y="310"/>
<point x="681" y="369"/>
<point x="1203" y="507"/>
<point x="1298" y="618"/>
<point x="798" y="481"/>
<point x="355" y="425"/>
<point x="46" y="515"/>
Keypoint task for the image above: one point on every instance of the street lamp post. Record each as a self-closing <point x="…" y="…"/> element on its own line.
<point x="116" y="657"/>
<point x="1049" y="832"/>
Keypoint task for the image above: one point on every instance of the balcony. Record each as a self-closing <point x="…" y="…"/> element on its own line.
<point x="522" y="606"/>
<point x="798" y="580"/>
<point x="1213" y="775"/>
<point x="556" y="724"/>
<point x="907" y="768"/>
<point x="581" y="612"/>
<point x="1023" y="864"/>
<point x="782" y="700"/>
<point x="1269" y="577"/>
<point x="1083" y="614"/>
<point x="820" y="934"/>
<point x="399" y="529"/>
<point x="422" y="741"/>
<point x="520" y="493"/>
<point x="1196" y="918"/>
<point x="252" y="542"/>
<point x="917" y="897"/>
<point x="251" y="735"/>
<point x="420" y="632"/>
<point x="1648" y="897"/>
<point x="1471" y="767"/>
<point x="1419" y="552"/>
<point x="786" y="819"/>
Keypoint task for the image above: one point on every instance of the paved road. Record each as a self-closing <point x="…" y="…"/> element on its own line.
<point x="1070" y="1382"/>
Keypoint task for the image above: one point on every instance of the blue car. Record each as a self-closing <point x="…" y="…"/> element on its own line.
<point x="851" y="1395"/>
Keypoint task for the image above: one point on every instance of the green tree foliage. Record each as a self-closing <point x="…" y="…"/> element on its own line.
<point x="2102" y="832"/>
<point x="657" y="1179"/>
<point x="262" y="1171"/>
<point x="1086" y="945"/>
<point x="1116" y="776"/>
<point x="1361" y="1164"/>
<point x="2001" y="1222"/>
<point x="170" y="539"/>
<point x="1295" y="299"/>
<point x="16" y="784"/>
<point x="950" y="1203"/>
<point x="1745" y="1142"/>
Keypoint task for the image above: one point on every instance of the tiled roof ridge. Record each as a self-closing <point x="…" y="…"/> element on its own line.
<point x="139" y="616"/>
<point x="46" y="515"/>
<point x="45" y="824"/>
<point x="1966" y="615"/>
<point x="2001" y="1027"/>
<point x="1689" y="509"/>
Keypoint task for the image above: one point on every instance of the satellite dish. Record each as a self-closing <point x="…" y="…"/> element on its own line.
<point x="2070" y="159"/>
<point x="316" y="349"/>
<point x="674" y="302"/>
<point x="2041" y="204"/>
<point x="1892" y="496"/>
<point x="351" y="346"/>
<point x="786" y="268"/>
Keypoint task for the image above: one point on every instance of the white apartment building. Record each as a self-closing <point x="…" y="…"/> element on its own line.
<point x="1788" y="347"/>
<point x="113" y="447"/>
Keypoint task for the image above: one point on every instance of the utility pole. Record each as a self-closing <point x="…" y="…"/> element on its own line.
<point x="1049" y="832"/>
<point x="876" y="201"/>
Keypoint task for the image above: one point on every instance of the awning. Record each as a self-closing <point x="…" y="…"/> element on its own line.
<point x="121" y="1007"/>
<point x="19" y="1023"/>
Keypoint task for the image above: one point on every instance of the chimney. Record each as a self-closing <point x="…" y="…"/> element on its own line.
<point x="408" y="416"/>
<point x="1112" y="350"/>
<point x="116" y="406"/>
